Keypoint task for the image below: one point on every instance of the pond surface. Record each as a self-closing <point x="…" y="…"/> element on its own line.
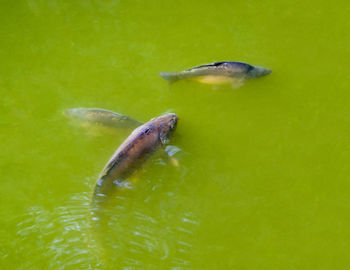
<point x="263" y="180"/>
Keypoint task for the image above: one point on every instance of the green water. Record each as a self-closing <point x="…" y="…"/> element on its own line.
<point x="263" y="181"/>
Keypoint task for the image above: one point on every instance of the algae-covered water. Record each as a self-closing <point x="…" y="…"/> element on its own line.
<point x="263" y="177"/>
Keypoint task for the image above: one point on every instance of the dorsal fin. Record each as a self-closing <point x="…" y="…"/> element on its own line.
<point x="215" y="64"/>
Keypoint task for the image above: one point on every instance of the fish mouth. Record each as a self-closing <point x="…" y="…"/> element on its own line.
<point x="259" y="71"/>
<point x="172" y="120"/>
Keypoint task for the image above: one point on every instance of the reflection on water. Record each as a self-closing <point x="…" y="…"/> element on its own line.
<point x="143" y="226"/>
<point x="60" y="235"/>
<point x="130" y="234"/>
<point x="148" y="238"/>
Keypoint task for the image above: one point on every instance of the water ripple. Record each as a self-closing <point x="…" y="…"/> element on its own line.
<point x="130" y="236"/>
<point x="59" y="237"/>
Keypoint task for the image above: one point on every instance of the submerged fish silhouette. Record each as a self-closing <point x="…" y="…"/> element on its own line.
<point x="234" y="73"/>
<point x="102" y="117"/>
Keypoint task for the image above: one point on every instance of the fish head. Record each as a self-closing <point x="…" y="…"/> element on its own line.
<point x="165" y="124"/>
<point x="257" y="71"/>
<point x="235" y="69"/>
<point x="84" y="113"/>
<point x="236" y="66"/>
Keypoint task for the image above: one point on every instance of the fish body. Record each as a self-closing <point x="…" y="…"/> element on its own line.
<point x="102" y="117"/>
<point x="130" y="155"/>
<point x="234" y="73"/>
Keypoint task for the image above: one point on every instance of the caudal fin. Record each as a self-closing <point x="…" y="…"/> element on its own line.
<point x="170" y="76"/>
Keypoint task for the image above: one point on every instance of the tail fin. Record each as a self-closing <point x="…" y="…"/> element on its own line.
<point x="170" y="76"/>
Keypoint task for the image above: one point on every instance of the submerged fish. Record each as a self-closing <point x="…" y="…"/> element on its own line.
<point x="103" y="117"/>
<point x="141" y="143"/>
<point x="234" y="73"/>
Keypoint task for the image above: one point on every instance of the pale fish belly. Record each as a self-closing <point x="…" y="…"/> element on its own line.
<point x="220" y="80"/>
<point x="212" y="79"/>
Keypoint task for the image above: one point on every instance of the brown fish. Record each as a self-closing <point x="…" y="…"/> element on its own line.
<point x="130" y="155"/>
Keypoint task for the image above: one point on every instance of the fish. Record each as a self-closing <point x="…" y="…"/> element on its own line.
<point x="219" y="73"/>
<point x="97" y="116"/>
<point x="133" y="152"/>
<point x="102" y="118"/>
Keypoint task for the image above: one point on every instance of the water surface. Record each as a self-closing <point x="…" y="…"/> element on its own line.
<point x="263" y="181"/>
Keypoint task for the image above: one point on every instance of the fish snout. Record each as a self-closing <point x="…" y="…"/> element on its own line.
<point x="173" y="119"/>
<point x="258" y="71"/>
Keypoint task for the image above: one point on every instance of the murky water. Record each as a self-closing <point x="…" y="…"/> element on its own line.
<point x="263" y="181"/>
